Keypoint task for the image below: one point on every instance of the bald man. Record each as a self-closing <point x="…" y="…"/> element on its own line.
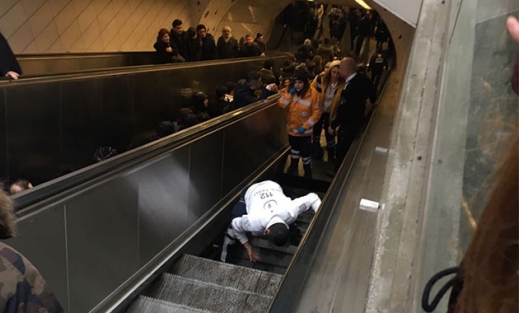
<point x="350" y="110"/>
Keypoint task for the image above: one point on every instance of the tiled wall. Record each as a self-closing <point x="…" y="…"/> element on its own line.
<point x="58" y="26"/>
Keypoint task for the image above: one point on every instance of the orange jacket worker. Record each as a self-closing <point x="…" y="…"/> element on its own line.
<point x="304" y="108"/>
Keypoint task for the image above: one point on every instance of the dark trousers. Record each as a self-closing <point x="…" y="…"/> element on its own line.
<point x="324" y="122"/>
<point x="344" y="140"/>
<point x="300" y="146"/>
<point x="358" y="46"/>
<point x="375" y="78"/>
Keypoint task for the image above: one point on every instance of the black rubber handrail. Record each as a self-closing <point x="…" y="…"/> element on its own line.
<point x="117" y="71"/>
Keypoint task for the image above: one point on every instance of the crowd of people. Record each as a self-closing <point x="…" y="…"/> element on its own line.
<point x="196" y="44"/>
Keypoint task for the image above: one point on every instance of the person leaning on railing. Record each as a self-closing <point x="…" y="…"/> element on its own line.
<point x="9" y="66"/>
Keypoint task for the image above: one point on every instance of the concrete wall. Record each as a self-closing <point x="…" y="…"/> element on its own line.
<point x="407" y="10"/>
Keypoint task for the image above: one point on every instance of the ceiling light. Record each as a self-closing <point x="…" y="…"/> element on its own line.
<point x="363" y="4"/>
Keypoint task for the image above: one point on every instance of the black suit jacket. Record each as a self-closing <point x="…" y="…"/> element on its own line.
<point x="8" y="61"/>
<point x="350" y="110"/>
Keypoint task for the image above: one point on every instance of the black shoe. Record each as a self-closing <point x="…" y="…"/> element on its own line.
<point x="292" y="170"/>
<point x="331" y="154"/>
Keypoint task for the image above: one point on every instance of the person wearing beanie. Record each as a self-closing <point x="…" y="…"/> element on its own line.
<point x="303" y="105"/>
<point x="264" y="210"/>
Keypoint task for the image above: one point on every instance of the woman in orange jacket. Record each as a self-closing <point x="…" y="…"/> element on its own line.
<point x="330" y="84"/>
<point x="303" y="105"/>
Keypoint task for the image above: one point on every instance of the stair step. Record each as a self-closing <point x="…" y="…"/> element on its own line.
<point x="265" y="244"/>
<point x="207" y="296"/>
<point x="227" y="275"/>
<point x="305" y="217"/>
<point x="149" y="305"/>
<point x="261" y="266"/>
<point x="268" y="256"/>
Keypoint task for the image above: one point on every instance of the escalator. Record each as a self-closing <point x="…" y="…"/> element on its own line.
<point x="203" y="284"/>
<point x="137" y="224"/>
<point x="195" y="284"/>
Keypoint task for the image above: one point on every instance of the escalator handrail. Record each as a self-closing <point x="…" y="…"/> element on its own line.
<point x="29" y="56"/>
<point x="118" y="71"/>
<point x="32" y="200"/>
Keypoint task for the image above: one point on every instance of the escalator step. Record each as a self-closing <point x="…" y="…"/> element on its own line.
<point x="265" y="244"/>
<point x="207" y="296"/>
<point x="305" y="217"/>
<point x="267" y="256"/>
<point x="261" y="266"/>
<point x="227" y="275"/>
<point x="149" y="305"/>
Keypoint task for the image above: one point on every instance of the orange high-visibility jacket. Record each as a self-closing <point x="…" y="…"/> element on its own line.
<point x="304" y="111"/>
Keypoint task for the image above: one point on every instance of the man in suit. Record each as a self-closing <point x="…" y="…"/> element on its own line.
<point x="9" y="67"/>
<point x="351" y="109"/>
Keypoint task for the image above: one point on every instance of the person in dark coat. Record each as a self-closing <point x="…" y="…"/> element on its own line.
<point x="9" y="66"/>
<point x="199" y="103"/>
<point x="381" y="34"/>
<point x="194" y="45"/>
<point x="261" y="44"/>
<point x="219" y="105"/>
<point x="179" y="39"/>
<point x="164" y="53"/>
<point x="351" y="108"/>
<point x="377" y="64"/>
<point x="250" y="48"/>
<point x="244" y="94"/>
<point x="22" y="287"/>
<point x="305" y="52"/>
<point x="208" y="46"/>
<point x="227" y="45"/>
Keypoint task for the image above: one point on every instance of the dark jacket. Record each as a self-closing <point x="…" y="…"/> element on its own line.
<point x="180" y="42"/>
<point x="364" y="27"/>
<point x="268" y="77"/>
<point x="377" y="63"/>
<point x="194" y="50"/>
<point x="227" y="50"/>
<point x="217" y="107"/>
<point x="262" y="46"/>
<point x="326" y="52"/>
<point x="161" y="55"/>
<point x="250" y="51"/>
<point x="208" y="48"/>
<point x="304" y="52"/>
<point x="8" y="61"/>
<point x="351" y="108"/>
<point x="243" y="96"/>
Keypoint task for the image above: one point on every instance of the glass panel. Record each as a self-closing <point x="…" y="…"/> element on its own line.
<point x="477" y="120"/>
